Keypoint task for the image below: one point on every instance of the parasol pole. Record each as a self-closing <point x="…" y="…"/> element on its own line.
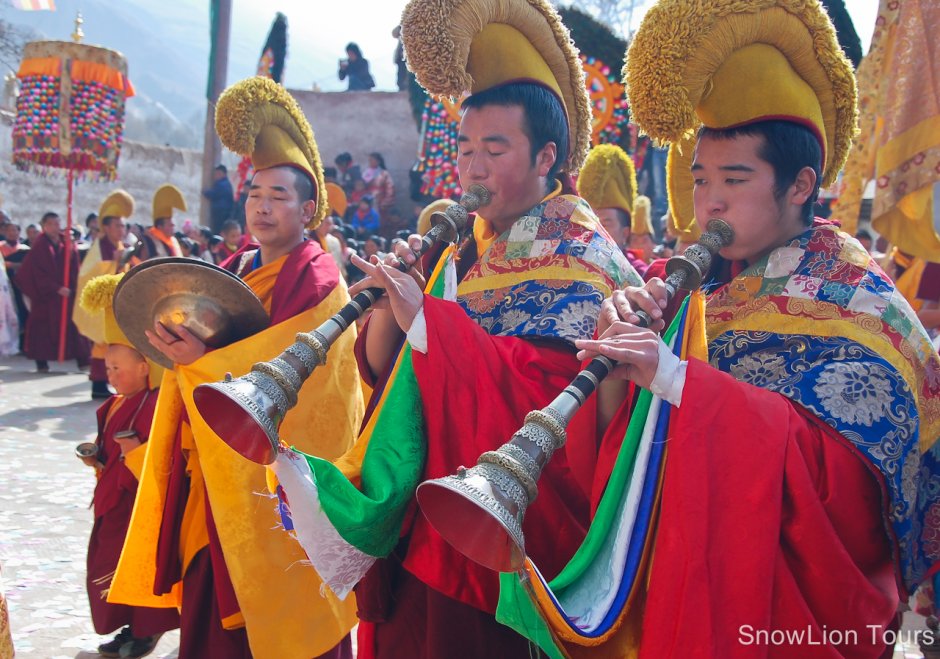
<point x="77" y="37"/>
<point x="63" y="326"/>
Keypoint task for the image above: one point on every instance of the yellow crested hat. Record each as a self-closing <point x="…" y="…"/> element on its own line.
<point x="608" y="179"/>
<point x="165" y="199"/>
<point x="640" y="218"/>
<point x="257" y="118"/>
<point x="724" y="64"/>
<point x="679" y="182"/>
<point x="337" y="199"/>
<point x="457" y="46"/>
<point x="117" y="204"/>
<point x="424" y="217"/>
<point x="98" y="297"/>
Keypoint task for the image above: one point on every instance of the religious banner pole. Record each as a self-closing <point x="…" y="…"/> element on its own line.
<point x="63" y="325"/>
<point x="220" y="17"/>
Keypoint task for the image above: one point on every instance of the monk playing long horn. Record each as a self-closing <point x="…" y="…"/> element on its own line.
<point x="791" y="451"/>
<point x="488" y="339"/>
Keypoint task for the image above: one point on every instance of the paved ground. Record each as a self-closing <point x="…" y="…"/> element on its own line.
<point x="44" y="515"/>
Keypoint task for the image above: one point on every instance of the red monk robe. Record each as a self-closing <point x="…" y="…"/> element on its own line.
<point x="509" y="378"/>
<point x="476" y="390"/>
<point x="39" y="278"/>
<point x="242" y="576"/>
<point x="817" y="558"/>
<point x="772" y="521"/>
<point x="113" y="502"/>
<point x="816" y="555"/>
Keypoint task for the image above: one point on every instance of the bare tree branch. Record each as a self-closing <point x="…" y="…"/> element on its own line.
<point x="12" y="39"/>
<point x="618" y="14"/>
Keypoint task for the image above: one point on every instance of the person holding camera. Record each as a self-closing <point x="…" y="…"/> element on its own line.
<point x="356" y="68"/>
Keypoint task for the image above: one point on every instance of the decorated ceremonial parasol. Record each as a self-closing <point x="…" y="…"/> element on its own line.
<point x="70" y="117"/>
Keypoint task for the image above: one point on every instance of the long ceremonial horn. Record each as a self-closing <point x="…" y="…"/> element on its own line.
<point x="247" y="411"/>
<point x="479" y="511"/>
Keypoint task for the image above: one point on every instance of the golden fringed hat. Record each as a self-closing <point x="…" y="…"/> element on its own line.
<point x="337" y="199"/>
<point x="608" y="179"/>
<point x="257" y="118"/>
<point x="98" y="297"/>
<point x="723" y="63"/>
<point x="424" y="217"/>
<point x="165" y="199"/>
<point x="117" y="204"/>
<point x="679" y="182"/>
<point x="640" y="218"/>
<point x="457" y="46"/>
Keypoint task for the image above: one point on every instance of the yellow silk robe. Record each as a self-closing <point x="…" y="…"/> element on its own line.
<point x="286" y="611"/>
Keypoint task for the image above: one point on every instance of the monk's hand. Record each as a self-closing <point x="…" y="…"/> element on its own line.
<point x="367" y="267"/>
<point x="634" y="349"/>
<point x="622" y="306"/>
<point x="403" y="295"/>
<point x="127" y="444"/>
<point x="64" y="291"/>
<point x="408" y="252"/>
<point x="405" y="252"/>
<point x="179" y="345"/>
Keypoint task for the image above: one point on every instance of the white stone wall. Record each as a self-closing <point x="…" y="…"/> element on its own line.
<point x="357" y="122"/>
<point x="362" y="122"/>
<point x="142" y="168"/>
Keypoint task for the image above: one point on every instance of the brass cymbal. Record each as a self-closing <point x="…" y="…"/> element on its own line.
<point x="212" y="303"/>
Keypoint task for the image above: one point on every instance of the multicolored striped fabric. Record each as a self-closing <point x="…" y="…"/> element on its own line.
<point x="547" y="275"/>
<point x="604" y="583"/>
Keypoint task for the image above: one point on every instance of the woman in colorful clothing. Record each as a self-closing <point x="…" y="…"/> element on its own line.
<point x="379" y="184"/>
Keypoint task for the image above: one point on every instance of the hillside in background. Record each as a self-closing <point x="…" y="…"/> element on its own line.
<point x="167" y="48"/>
<point x="176" y="61"/>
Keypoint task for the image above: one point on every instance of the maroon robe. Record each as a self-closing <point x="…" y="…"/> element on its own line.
<point x="113" y="503"/>
<point x="39" y="278"/>
<point x="929" y="288"/>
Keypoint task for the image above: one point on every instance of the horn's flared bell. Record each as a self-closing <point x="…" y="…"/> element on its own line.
<point x="247" y="411"/>
<point x="236" y="409"/>
<point x="479" y="511"/>
<point x="480" y="519"/>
